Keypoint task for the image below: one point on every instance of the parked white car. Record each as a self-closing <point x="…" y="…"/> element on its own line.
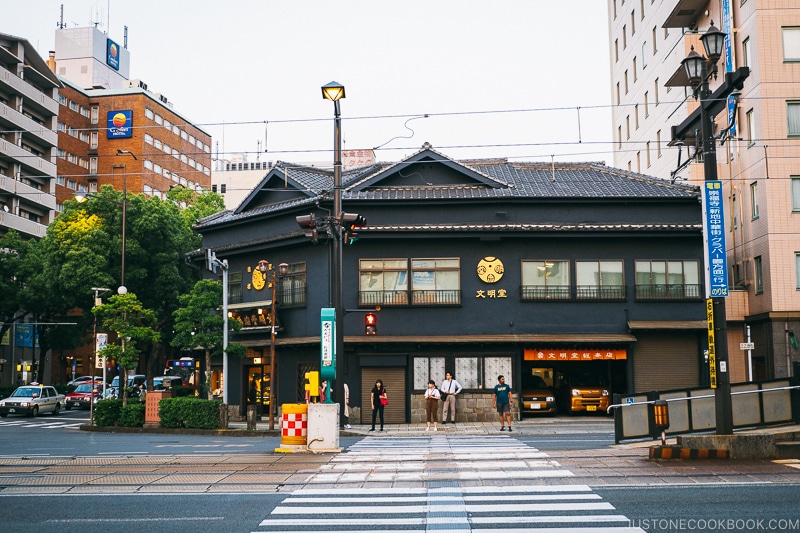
<point x="32" y="400"/>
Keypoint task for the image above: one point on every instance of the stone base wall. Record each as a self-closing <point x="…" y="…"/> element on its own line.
<point x="470" y="407"/>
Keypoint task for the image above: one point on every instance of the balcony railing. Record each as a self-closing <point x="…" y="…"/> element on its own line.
<point x="417" y="298"/>
<point x="550" y="292"/>
<point x="600" y="292"/>
<point x="669" y="292"/>
<point x="292" y="294"/>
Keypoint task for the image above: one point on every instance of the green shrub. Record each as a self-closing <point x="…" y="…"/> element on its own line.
<point x="189" y="413"/>
<point x="107" y="412"/>
<point x="132" y="415"/>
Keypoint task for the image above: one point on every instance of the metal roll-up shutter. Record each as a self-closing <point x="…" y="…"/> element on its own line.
<point x="394" y="381"/>
<point x="663" y="362"/>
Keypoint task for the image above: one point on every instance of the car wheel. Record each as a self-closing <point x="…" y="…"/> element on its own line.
<point x="57" y="409"/>
<point x="67" y="407"/>
<point x="35" y="411"/>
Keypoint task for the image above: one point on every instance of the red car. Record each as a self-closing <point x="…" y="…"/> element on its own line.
<point x="83" y="395"/>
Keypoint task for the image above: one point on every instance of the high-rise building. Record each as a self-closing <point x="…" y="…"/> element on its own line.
<point x="758" y="150"/>
<point x="116" y="131"/>
<point x="28" y="110"/>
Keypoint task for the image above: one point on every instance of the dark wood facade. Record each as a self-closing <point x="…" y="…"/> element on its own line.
<point x="436" y="228"/>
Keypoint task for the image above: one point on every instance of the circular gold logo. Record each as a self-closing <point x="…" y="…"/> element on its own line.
<point x="490" y="269"/>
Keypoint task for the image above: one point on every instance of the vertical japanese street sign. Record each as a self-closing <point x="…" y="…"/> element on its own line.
<point x="712" y="353"/>
<point x="102" y="339"/>
<point x="715" y="250"/>
<point x="327" y="366"/>
<point x="727" y="27"/>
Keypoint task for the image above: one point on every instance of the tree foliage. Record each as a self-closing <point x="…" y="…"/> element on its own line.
<point x="199" y="324"/>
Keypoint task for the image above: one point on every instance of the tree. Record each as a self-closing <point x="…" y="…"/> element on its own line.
<point x="133" y="323"/>
<point x="199" y="324"/>
<point x="13" y="254"/>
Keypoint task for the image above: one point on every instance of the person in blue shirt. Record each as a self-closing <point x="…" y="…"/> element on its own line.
<point x="502" y="400"/>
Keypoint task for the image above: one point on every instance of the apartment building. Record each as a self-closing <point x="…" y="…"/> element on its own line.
<point x="28" y="110"/>
<point x="758" y="150"/>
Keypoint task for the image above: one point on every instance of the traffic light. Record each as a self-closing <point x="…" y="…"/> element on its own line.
<point x="309" y="223"/>
<point x="312" y="383"/>
<point x="351" y="221"/>
<point x="370" y="324"/>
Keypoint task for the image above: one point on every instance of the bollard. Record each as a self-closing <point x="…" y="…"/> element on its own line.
<point x="294" y="427"/>
<point x="661" y="418"/>
<point x="252" y="414"/>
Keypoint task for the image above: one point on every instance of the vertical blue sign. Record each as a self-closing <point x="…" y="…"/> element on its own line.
<point x="716" y="260"/>
<point x="112" y="54"/>
<point x="727" y="27"/>
<point x="327" y="364"/>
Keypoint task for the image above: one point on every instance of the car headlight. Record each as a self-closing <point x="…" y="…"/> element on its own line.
<point x="24" y="404"/>
<point x="576" y="392"/>
<point x="605" y="392"/>
<point x="551" y="399"/>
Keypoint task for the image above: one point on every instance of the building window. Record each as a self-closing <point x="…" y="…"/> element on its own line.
<point x="646" y="104"/>
<point x="668" y="280"/>
<point x="624" y="37"/>
<point x="158" y="119"/>
<point x="616" y="50"/>
<point x="618" y="98"/>
<point x="638" y="161"/>
<point x="93" y="140"/>
<point x="635" y="75"/>
<point x="636" y="115"/>
<point x="383" y="282"/>
<point x="797" y="270"/>
<point x="644" y="55"/>
<point x="599" y="280"/>
<point x="746" y="60"/>
<point x="792" y="118"/>
<point x="148" y="113"/>
<point x="148" y="164"/>
<point x="619" y="137"/>
<point x="167" y="124"/>
<point x="754" y="200"/>
<point x="633" y="22"/>
<point x="655" y="91"/>
<point x="626" y="81"/>
<point x="647" y="153"/>
<point x="92" y="165"/>
<point x="654" y="39"/>
<point x="791" y="44"/>
<point x="426" y="368"/>
<point x="435" y="281"/>
<point x="292" y="287"/>
<point x="628" y="127"/>
<point x="473" y="372"/>
<point x="74" y="106"/>
<point x="234" y="287"/>
<point x="545" y="280"/>
<point x="95" y="115"/>
<point x="148" y="138"/>
<point x="658" y="143"/>
<point x="750" y="125"/>
<point x="796" y="194"/>
<point x="759" y="275"/>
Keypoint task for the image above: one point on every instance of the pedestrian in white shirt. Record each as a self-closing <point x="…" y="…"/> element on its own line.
<point x="449" y="390"/>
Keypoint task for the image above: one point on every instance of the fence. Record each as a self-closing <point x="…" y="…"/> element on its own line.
<point x="754" y="404"/>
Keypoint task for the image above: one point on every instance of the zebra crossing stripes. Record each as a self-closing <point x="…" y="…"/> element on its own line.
<point x="27" y="423"/>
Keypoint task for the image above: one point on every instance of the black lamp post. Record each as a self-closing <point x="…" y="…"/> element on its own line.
<point x="697" y="70"/>
<point x="334" y="92"/>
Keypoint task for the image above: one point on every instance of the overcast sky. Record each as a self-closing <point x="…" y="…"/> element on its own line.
<point x="501" y="78"/>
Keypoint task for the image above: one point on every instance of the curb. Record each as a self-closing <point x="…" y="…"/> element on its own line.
<point x="676" y="452"/>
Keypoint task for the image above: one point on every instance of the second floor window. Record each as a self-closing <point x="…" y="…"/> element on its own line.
<point x="434" y="281"/>
<point x="599" y="280"/>
<point x="668" y="280"/>
<point x="292" y="286"/>
<point x="545" y="280"/>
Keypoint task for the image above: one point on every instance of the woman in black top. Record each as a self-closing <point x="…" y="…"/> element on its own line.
<point x="375" y="395"/>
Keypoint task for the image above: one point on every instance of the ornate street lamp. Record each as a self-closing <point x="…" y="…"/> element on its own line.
<point x="265" y="267"/>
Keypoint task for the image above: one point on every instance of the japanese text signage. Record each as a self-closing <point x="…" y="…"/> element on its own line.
<point x="716" y="260"/>
<point x="490" y="270"/>
<point x="712" y="352"/>
<point x="327" y="343"/>
<point x="591" y="354"/>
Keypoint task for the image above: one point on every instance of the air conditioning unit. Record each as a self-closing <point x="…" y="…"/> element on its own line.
<point x="137" y="84"/>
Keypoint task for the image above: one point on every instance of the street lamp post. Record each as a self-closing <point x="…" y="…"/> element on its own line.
<point x="334" y="92"/>
<point x="97" y="302"/>
<point x="265" y="267"/>
<point x="699" y="70"/>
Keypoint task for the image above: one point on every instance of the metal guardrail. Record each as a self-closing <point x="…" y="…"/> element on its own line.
<point x="650" y="402"/>
<point x="755" y="404"/>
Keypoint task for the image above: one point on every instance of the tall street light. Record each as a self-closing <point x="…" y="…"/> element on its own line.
<point x="699" y="70"/>
<point x="97" y="302"/>
<point x="334" y="92"/>
<point x="265" y="267"/>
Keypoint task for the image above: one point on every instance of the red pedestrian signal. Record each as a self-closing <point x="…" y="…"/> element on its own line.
<point x="370" y="324"/>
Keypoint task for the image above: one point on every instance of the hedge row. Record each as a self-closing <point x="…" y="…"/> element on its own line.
<point x="174" y="412"/>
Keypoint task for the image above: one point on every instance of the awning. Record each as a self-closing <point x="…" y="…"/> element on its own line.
<point x="685" y="14"/>
<point x="667" y="325"/>
<point x="250" y="305"/>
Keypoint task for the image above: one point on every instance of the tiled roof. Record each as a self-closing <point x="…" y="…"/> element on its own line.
<point x="482" y="179"/>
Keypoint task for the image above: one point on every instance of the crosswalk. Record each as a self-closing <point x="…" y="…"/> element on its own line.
<point x="41" y="423"/>
<point x="486" y="484"/>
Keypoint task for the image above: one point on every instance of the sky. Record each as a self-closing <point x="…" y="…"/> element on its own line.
<point x="526" y="80"/>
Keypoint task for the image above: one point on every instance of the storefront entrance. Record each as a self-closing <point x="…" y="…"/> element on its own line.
<point x="258" y="379"/>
